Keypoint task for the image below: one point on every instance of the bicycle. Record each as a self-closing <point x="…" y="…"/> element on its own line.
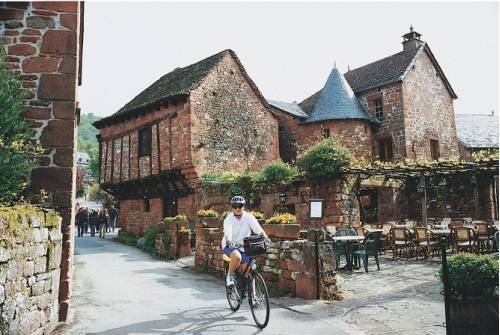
<point x="254" y="284"/>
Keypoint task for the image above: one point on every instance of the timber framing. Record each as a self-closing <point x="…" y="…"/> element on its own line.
<point x="169" y="182"/>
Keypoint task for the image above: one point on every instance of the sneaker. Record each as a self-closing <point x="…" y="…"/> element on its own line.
<point x="230" y="279"/>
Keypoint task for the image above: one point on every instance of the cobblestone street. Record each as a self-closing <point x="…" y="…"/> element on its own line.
<point x="122" y="290"/>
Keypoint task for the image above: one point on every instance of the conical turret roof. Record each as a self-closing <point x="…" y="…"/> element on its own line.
<point x="338" y="102"/>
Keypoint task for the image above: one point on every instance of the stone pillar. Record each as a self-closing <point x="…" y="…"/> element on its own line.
<point x="42" y="41"/>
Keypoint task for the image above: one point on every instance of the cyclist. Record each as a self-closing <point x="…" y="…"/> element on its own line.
<point x="238" y="225"/>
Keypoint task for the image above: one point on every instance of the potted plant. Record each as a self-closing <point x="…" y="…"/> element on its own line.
<point x="208" y="218"/>
<point x="282" y="226"/>
<point x="183" y="242"/>
<point x="178" y="220"/>
<point x="473" y="294"/>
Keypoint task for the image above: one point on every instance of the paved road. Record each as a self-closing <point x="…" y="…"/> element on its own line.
<point x="121" y="290"/>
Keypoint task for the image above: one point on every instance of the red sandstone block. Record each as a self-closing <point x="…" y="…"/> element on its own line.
<point x="44" y="13"/>
<point x="29" y="39"/>
<point x="58" y="133"/>
<point x="11" y="33"/>
<point x="61" y="42"/>
<point x="36" y="112"/>
<point x="11" y="14"/>
<point x="57" y="87"/>
<point x="64" y="157"/>
<point x="43" y="160"/>
<point x="64" y="110"/>
<point x="31" y="32"/>
<point x="63" y="310"/>
<point x="21" y="50"/>
<point x="52" y="178"/>
<point x="69" y="21"/>
<point x="40" y="64"/>
<point x="58" y="6"/>
<point x="68" y="65"/>
<point x="305" y="287"/>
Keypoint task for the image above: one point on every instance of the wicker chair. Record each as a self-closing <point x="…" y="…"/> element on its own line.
<point x="484" y="236"/>
<point x="385" y="237"/>
<point x="424" y="242"/>
<point x="464" y="239"/>
<point x="360" y="231"/>
<point x="401" y="241"/>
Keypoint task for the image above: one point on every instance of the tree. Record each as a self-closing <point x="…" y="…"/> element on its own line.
<point x="17" y="149"/>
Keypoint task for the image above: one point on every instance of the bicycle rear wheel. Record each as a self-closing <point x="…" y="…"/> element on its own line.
<point x="258" y="298"/>
<point x="232" y="294"/>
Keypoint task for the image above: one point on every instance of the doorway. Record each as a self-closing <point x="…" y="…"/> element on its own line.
<point x="369" y="209"/>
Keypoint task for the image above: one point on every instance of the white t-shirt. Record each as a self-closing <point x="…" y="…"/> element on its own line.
<point x="235" y="230"/>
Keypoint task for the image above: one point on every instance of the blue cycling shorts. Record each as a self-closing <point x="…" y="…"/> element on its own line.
<point x="244" y="258"/>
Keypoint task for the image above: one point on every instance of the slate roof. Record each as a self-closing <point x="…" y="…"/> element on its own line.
<point x="289" y="107"/>
<point x="477" y="131"/>
<point x="337" y="101"/>
<point x="382" y="72"/>
<point x="176" y="83"/>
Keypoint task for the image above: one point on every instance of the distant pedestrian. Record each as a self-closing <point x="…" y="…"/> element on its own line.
<point x="83" y="220"/>
<point x="103" y="222"/>
<point x="112" y="215"/>
<point x="93" y="221"/>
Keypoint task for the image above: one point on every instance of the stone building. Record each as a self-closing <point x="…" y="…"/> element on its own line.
<point x="43" y="46"/>
<point x="476" y="132"/>
<point x="407" y="108"/>
<point x="206" y="117"/>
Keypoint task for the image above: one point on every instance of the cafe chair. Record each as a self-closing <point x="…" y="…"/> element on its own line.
<point x="424" y="242"/>
<point x="464" y="239"/>
<point x="370" y="247"/>
<point x="401" y="242"/>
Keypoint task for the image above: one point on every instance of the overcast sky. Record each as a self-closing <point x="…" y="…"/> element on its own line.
<point x="288" y="49"/>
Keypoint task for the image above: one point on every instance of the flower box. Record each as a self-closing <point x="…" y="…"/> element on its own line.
<point x="288" y="231"/>
<point x="209" y="222"/>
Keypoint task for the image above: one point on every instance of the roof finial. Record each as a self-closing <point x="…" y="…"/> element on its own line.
<point x="335" y="64"/>
<point x="411" y="27"/>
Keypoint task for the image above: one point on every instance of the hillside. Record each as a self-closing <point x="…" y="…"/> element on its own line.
<point x="87" y="142"/>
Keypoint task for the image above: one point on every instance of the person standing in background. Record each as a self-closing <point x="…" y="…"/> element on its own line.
<point x="93" y="220"/>
<point x="103" y="223"/>
<point x="112" y="215"/>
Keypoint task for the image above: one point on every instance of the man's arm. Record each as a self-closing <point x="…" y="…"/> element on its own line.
<point x="255" y="226"/>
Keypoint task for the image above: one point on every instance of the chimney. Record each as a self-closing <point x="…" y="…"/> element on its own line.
<point x="412" y="40"/>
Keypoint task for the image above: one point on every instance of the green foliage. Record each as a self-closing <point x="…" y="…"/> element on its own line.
<point x="87" y="140"/>
<point x="17" y="150"/>
<point x="96" y="194"/>
<point x="126" y="238"/>
<point x="279" y="171"/>
<point x="472" y="275"/>
<point x="324" y="159"/>
<point x="147" y="242"/>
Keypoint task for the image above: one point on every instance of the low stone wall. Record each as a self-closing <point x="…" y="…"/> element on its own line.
<point x="288" y="267"/>
<point x="171" y="242"/>
<point x="30" y="259"/>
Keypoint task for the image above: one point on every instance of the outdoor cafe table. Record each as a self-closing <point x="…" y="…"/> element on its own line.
<point x="348" y="240"/>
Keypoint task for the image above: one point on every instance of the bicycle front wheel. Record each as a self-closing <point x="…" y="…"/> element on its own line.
<point x="232" y="294"/>
<point x="259" y="300"/>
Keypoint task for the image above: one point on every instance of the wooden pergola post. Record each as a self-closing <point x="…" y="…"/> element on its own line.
<point x="424" y="199"/>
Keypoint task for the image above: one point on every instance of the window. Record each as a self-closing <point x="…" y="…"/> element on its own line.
<point x="379" y="113"/>
<point x="144" y="142"/>
<point x="325" y="133"/>
<point x="385" y="149"/>
<point x="146" y="205"/>
<point x="435" y="149"/>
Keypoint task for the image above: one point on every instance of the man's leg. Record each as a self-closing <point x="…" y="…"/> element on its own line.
<point x="235" y="261"/>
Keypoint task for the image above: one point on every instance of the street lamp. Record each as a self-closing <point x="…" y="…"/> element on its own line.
<point x="282" y="197"/>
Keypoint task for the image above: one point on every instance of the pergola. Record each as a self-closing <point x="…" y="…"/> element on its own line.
<point x="423" y="169"/>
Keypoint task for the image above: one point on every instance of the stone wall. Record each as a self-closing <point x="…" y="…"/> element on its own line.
<point x="288" y="267"/>
<point x="428" y="111"/>
<point x="42" y="41"/>
<point x="288" y="132"/>
<point x="232" y="129"/>
<point x="392" y="123"/>
<point x="30" y="260"/>
<point x="357" y="135"/>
